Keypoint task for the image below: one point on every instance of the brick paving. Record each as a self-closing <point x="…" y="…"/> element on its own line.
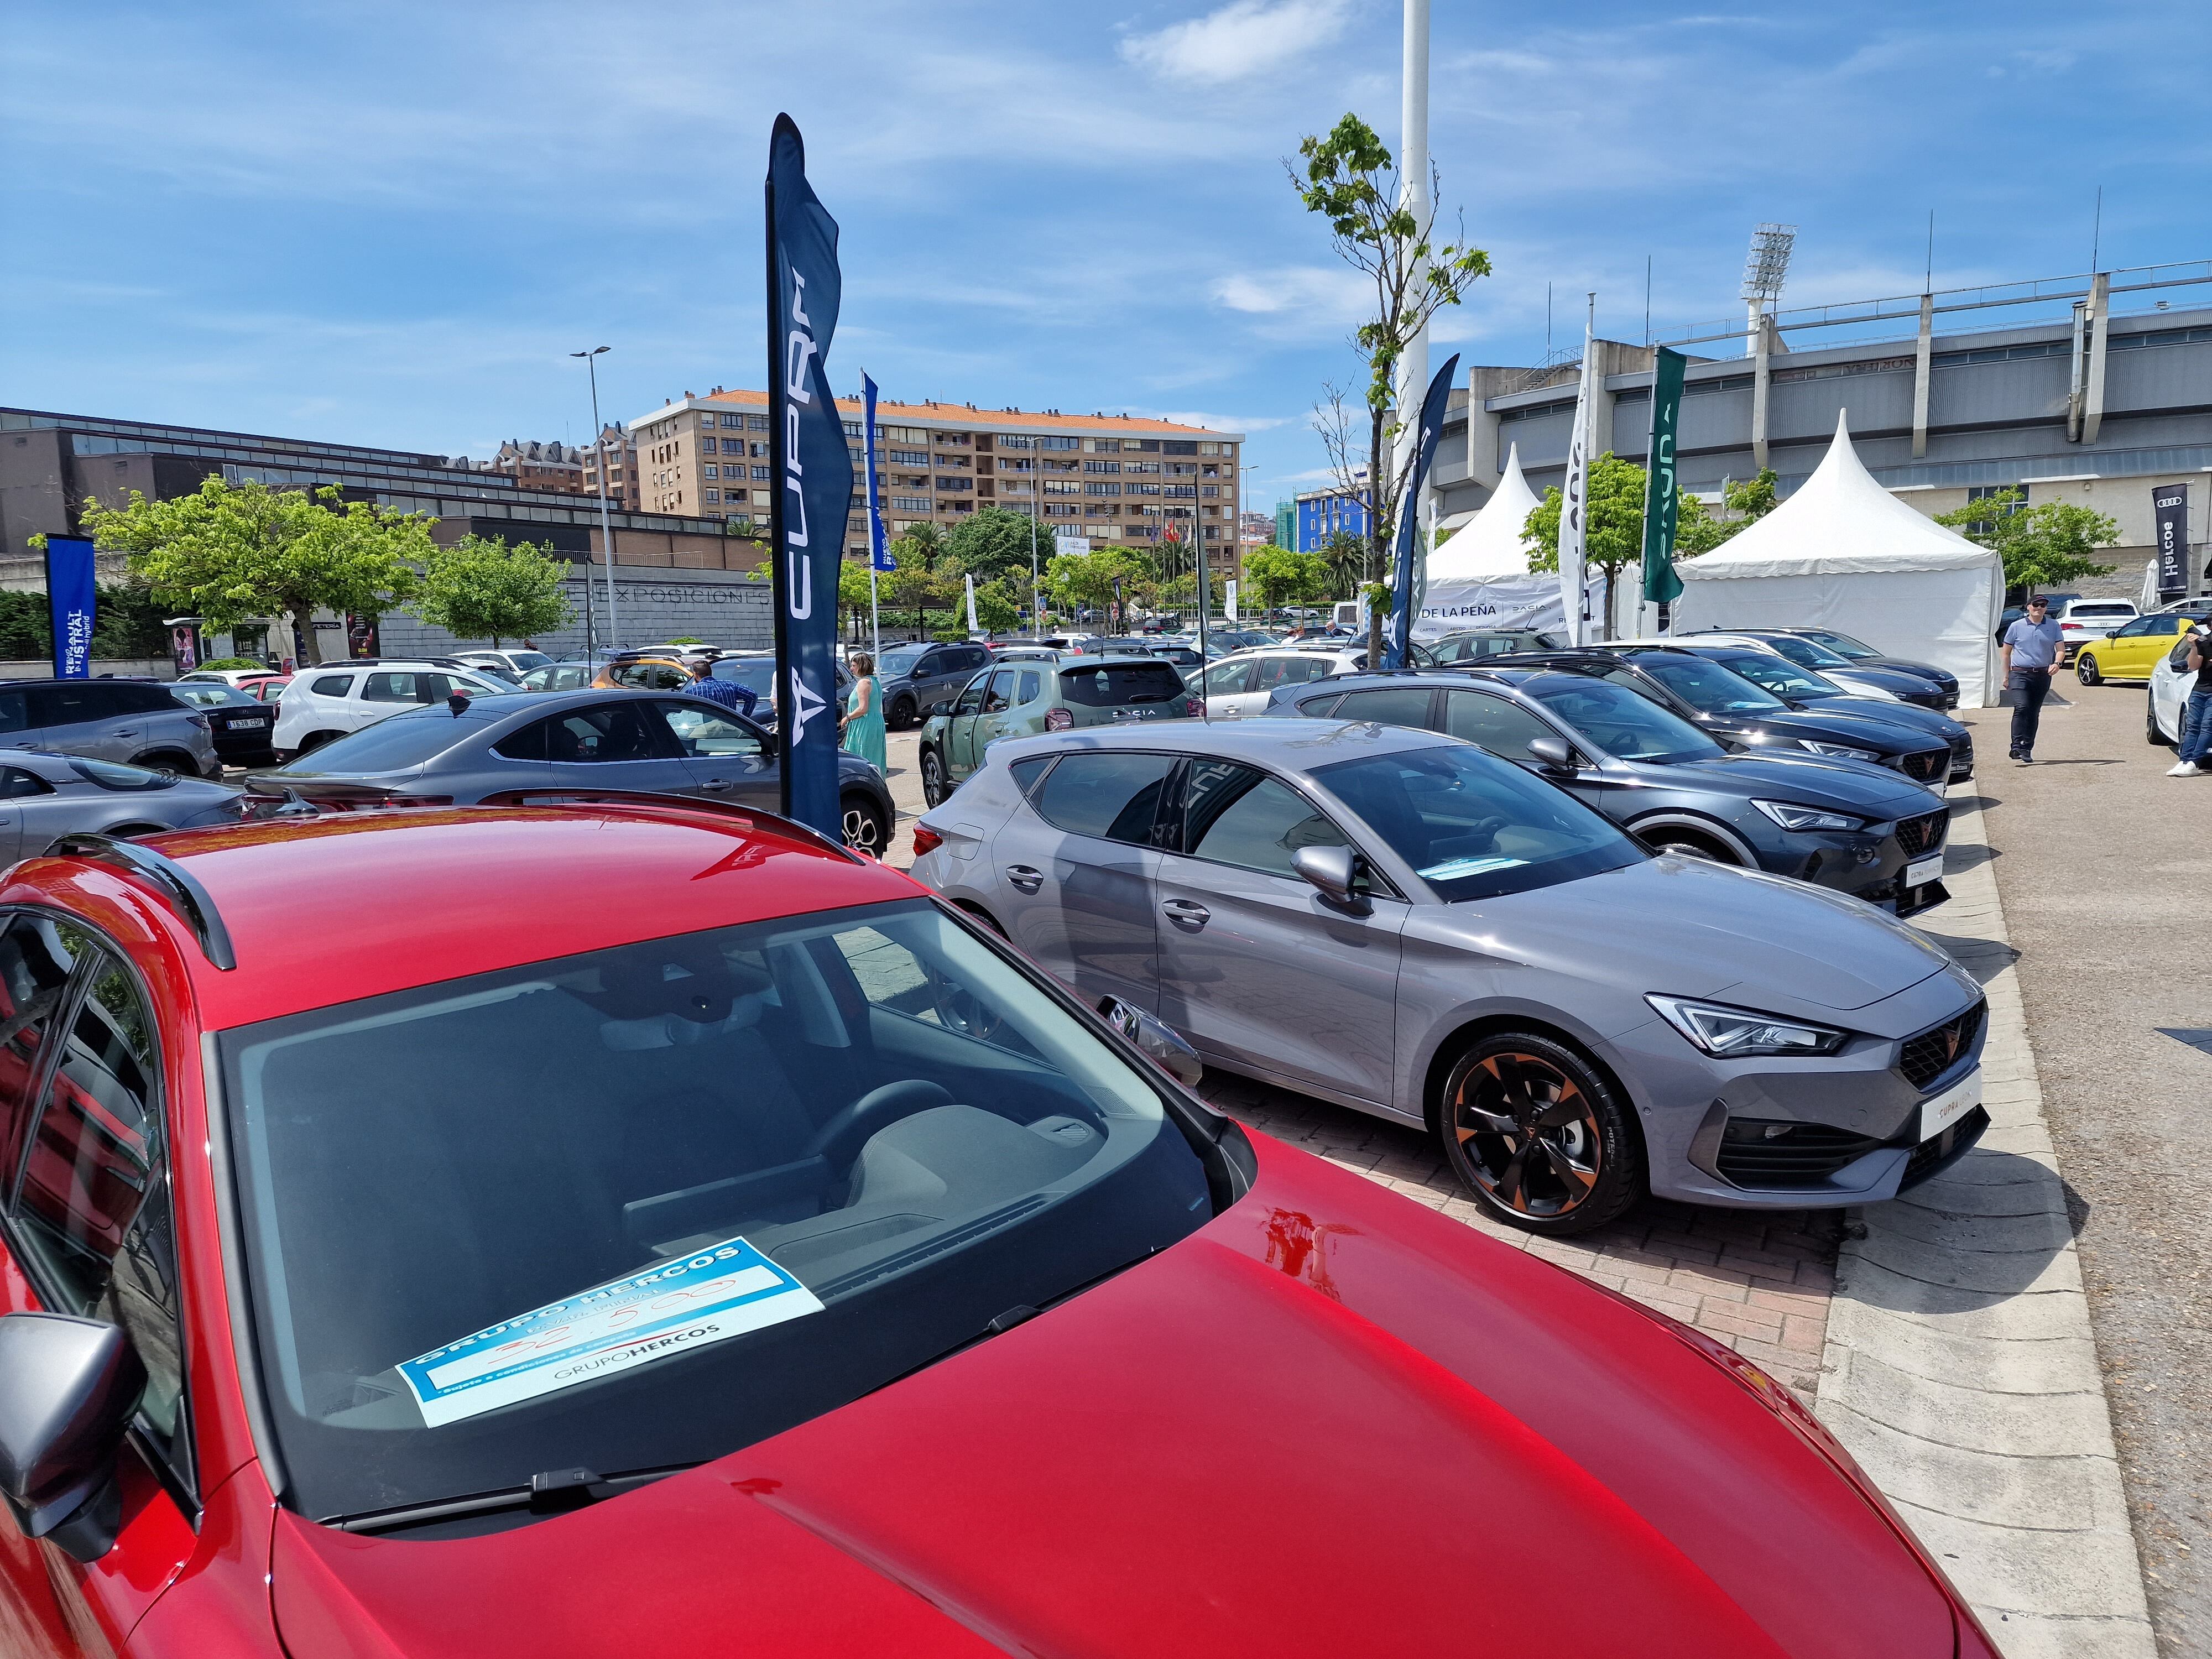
<point x="1758" y="1280"/>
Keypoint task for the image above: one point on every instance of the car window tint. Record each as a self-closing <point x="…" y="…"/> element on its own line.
<point x="93" y="1204"/>
<point x="1228" y="679"/>
<point x="36" y="955"/>
<point x="703" y="734"/>
<point x="1321" y="708"/>
<point x="141" y="699"/>
<point x="1025" y="772"/>
<point x="1000" y="692"/>
<point x="1239" y="815"/>
<point x="971" y="696"/>
<point x="15" y="783"/>
<point x="1619" y="721"/>
<point x="1504" y="728"/>
<point x="1114" y="796"/>
<point x="2168" y="625"/>
<point x="1396" y="705"/>
<point x="1032" y="686"/>
<point x="396" y="687"/>
<point x="397" y="741"/>
<point x="14" y="711"/>
<point x="1297" y="670"/>
<point x="1121" y="684"/>
<point x="333" y="685"/>
<point x="70" y="705"/>
<point x="1704" y="684"/>
<point x="609" y="732"/>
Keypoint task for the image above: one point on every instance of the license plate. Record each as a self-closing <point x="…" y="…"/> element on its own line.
<point x="1921" y="872"/>
<point x="1947" y="1108"/>
<point x="241" y="725"/>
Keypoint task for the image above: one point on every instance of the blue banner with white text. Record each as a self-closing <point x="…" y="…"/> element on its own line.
<point x="70" y="592"/>
<point x="814" y="492"/>
<point x="1405" y="598"/>
<point x="879" y="546"/>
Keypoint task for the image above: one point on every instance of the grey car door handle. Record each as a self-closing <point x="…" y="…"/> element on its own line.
<point x="717" y="785"/>
<point x="1188" y="913"/>
<point x="1024" y="878"/>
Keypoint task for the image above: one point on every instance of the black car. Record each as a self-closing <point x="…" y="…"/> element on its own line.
<point x="917" y="681"/>
<point x="1861" y="677"/>
<point x="1739" y="715"/>
<point x="1841" y="825"/>
<point x="1471" y="644"/>
<point x="243" y="726"/>
<point x="1801" y="688"/>
<point x="1864" y="656"/>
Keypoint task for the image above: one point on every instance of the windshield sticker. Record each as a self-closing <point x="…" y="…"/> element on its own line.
<point x="1453" y="869"/>
<point x="709" y="1296"/>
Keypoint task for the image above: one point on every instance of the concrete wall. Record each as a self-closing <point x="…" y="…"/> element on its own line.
<point x="722" y="607"/>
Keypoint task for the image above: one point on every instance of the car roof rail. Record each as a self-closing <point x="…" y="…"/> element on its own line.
<point x="556" y="795"/>
<point x="193" y="901"/>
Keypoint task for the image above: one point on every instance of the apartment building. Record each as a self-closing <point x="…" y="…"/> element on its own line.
<point x="620" y="450"/>
<point x="539" y="465"/>
<point x="1110" y="479"/>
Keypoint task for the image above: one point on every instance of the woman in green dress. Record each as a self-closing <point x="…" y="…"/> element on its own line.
<point x="861" y="729"/>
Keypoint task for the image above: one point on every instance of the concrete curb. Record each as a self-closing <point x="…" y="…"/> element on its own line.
<point x="1959" y="1368"/>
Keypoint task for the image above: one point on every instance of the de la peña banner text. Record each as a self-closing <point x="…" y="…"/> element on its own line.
<point x="71" y="593"/>
<point x="814" y="491"/>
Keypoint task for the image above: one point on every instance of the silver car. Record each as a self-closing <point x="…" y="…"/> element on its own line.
<point x="43" y="796"/>
<point x="138" y="722"/>
<point x="1401" y="922"/>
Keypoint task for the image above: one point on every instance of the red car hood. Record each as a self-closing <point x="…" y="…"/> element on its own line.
<point x="1330" y="1423"/>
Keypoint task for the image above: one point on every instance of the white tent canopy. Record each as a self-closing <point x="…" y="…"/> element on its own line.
<point x="1843" y="553"/>
<point x="1489" y="545"/>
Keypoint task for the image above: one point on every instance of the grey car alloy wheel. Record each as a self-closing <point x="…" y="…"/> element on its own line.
<point x="933" y="790"/>
<point x="1534" y="1133"/>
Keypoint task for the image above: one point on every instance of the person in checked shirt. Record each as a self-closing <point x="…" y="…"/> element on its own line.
<point x="729" y="693"/>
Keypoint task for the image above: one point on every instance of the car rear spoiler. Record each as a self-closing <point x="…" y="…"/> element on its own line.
<point x="193" y="902"/>
<point x="554" y="795"/>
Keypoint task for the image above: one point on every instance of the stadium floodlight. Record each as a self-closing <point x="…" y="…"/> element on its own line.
<point x="1764" y="271"/>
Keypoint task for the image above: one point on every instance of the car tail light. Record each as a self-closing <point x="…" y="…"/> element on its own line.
<point x="1058" y="720"/>
<point x="200" y="721"/>
<point x="926" y="840"/>
<point x="1192" y="706"/>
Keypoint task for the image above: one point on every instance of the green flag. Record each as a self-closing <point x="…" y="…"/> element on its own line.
<point x="1661" y="584"/>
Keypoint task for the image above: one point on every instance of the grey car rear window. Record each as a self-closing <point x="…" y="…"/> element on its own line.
<point x="333" y="685"/>
<point x="401" y="740"/>
<point x="1114" y="796"/>
<point x="1396" y="705"/>
<point x="1120" y="685"/>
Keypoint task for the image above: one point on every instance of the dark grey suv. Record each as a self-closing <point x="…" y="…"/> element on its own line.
<point x="918" y="681"/>
<point x="1841" y="824"/>
<point x="138" y="722"/>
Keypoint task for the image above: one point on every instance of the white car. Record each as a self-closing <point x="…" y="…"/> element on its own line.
<point x="236" y="677"/>
<point x="2081" y="621"/>
<point x="1238" y="685"/>
<point x="513" y="663"/>
<point x="329" y="702"/>
<point x="2170" y="683"/>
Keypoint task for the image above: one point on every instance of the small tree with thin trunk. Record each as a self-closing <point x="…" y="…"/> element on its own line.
<point x="484" y="588"/>
<point x="1348" y="177"/>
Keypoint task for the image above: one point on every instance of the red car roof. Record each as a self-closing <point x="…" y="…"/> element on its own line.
<point x="331" y="909"/>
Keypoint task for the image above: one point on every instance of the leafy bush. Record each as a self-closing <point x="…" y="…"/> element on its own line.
<point x="224" y="662"/>
<point x="127" y="624"/>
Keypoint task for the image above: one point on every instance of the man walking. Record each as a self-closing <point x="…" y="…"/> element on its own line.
<point x="2196" y="714"/>
<point x="2031" y="652"/>
<point x="730" y="693"/>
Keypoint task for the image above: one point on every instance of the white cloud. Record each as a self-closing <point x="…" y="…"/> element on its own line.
<point x="1294" y="290"/>
<point x="1243" y="38"/>
<point x="1218" y="422"/>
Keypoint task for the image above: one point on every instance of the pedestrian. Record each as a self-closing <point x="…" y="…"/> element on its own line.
<point x="2031" y="652"/>
<point x="730" y="693"/>
<point x="2196" y="712"/>
<point x="861" y="729"/>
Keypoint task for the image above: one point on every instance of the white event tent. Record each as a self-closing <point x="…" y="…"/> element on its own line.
<point x="1488" y="545"/>
<point x="1842" y="552"/>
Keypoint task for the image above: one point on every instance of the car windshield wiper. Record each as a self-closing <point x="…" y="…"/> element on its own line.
<point x="550" y="1491"/>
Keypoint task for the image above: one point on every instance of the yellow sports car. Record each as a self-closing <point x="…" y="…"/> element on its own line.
<point x="2133" y="649"/>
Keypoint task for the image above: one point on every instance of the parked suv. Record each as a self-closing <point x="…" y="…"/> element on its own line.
<point x="918" y="680"/>
<point x="137" y="721"/>
<point x="1839" y="825"/>
<point x="1025" y="699"/>
<point x="326" y="703"/>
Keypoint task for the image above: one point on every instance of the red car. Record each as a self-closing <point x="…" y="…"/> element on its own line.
<point x="569" y="1228"/>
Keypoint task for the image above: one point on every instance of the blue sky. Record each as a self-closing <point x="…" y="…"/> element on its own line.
<point x="387" y="223"/>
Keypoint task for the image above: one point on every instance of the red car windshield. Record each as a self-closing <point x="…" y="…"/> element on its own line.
<point x="632" y="1210"/>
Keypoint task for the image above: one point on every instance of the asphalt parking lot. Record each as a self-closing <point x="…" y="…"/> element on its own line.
<point x="2099" y="858"/>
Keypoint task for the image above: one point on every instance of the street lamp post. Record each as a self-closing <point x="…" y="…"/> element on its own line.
<point x="606" y="530"/>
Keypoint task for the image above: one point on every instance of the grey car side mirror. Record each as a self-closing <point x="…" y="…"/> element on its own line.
<point x="1553" y="754"/>
<point x="67" y="1390"/>
<point x="1334" y="871"/>
<point x="1158" y="1039"/>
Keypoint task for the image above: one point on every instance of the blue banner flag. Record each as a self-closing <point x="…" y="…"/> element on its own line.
<point x="879" y="546"/>
<point x="1404" y="600"/>
<point x="71" y="593"/>
<point x="814" y="488"/>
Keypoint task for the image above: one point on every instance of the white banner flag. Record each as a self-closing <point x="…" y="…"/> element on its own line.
<point x="1574" y="508"/>
<point x="972" y="628"/>
<point x="1229" y="600"/>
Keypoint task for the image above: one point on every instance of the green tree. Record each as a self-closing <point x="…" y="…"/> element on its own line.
<point x="1615" y="540"/>
<point x="1279" y="577"/>
<point x="484" y="588"/>
<point x="993" y="542"/>
<point x="1349" y="179"/>
<point x="234" y="552"/>
<point x="1699" y="531"/>
<point x="996" y="608"/>
<point x="1087" y="579"/>
<point x="1345" y="554"/>
<point x="2041" y="546"/>
<point x="917" y="580"/>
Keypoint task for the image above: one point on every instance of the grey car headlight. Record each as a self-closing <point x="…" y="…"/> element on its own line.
<point x="1741" y="1033"/>
<point x="1808" y="817"/>
<point x="1841" y="750"/>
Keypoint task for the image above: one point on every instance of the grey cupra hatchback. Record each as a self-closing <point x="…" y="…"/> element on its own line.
<point x="1400" y="922"/>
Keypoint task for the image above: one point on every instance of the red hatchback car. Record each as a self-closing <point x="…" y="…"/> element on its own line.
<point x="563" y="1228"/>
